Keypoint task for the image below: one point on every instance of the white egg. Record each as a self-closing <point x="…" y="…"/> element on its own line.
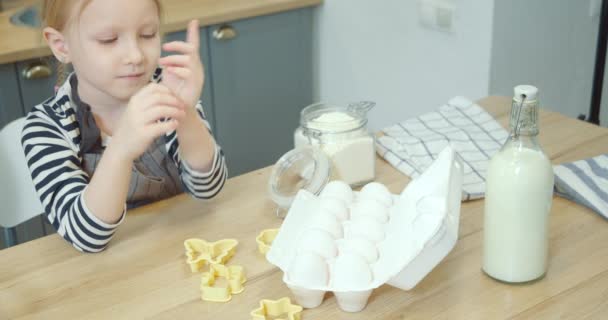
<point x="350" y="272"/>
<point x="378" y="192"/>
<point x="327" y="222"/>
<point x="362" y="247"/>
<point x="338" y="189"/>
<point x="336" y="206"/>
<point x="309" y="269"/>
<point x="394" y="210"/>
<point x="319" y="242"/>
<point x="368" y="228"/>
<point x="371" y="208"/>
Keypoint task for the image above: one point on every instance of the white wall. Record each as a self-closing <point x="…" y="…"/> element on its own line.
<point x="547" y="43"/>
<point x="378" y="50"/>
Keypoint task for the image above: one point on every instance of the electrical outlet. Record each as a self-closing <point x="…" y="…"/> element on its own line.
<point x="437" y="14"/>
<point x="444" y="16"/>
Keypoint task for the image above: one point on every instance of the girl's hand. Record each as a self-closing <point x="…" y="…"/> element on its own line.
<point x="141" y="122"/>
<point x="183" y="73"/>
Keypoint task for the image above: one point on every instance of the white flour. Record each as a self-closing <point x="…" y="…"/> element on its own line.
<point x="352" y="153"/>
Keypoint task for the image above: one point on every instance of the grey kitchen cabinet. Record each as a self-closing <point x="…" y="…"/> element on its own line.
<point x="23" y="85"/>
<point x="37" y="80"/>
<point x="11" y="107"/>
<point x="262" y="78"/>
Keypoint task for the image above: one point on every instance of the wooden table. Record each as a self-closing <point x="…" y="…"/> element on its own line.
<point x="143" y="274"/>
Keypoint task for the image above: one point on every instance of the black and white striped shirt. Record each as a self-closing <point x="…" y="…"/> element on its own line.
<point x="51" y="142"/>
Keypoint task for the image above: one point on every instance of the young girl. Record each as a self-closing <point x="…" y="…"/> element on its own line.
<point x="119" y="133"/>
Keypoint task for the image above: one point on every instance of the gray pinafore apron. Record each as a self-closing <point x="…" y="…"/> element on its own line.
<point x="154" y="175"/>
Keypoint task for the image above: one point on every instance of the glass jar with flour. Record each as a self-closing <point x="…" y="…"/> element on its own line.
<point x="342" y="134"/>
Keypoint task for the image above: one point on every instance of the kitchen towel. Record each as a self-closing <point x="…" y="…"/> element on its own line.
<point x="585" y="182"/>
<point x="412" y="145"/>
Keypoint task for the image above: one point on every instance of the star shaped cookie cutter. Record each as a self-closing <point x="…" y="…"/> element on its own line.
<point x="277" y="308"/>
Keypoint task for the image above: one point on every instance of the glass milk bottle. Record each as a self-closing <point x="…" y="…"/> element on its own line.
<point x="519" y="191"/>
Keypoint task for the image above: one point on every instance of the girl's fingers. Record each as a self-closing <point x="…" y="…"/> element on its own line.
<point x="151" y="88"/>
<point x="163" y="99"/>
<point x="180" y="60"/>
<point x="181" y="47"/>
<point x="183" y="73"/>
<point x="157" y="129"/>
<point x="193" y="37"/>
<point x="162" y="112"/>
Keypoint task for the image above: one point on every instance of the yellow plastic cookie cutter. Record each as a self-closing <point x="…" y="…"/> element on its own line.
<point x="265" y="238"/>
<point x="200" y="252"/>
<point x="282" y="308"/>
<point x="234" y="276"/>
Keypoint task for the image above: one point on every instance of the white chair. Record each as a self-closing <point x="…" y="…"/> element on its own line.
<point x="18" y="199"/>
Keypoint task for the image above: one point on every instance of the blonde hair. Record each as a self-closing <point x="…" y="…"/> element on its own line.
<point x="58" y="14"/>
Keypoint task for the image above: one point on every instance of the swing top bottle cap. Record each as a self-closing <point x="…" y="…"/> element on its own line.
<point x="531" y="92"/>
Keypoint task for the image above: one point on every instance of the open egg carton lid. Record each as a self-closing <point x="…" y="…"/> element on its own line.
<point x="422" y="229"/>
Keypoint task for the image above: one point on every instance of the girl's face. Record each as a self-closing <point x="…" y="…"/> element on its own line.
<point x="114" y="46"/>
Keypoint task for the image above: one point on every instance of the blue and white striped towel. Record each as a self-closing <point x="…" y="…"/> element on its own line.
<point x="412" y="145"/>
<point x="584" y="182"/>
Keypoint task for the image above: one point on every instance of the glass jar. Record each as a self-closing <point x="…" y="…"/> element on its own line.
<point x="342" y="134"/>
<point x="306" y="168"/>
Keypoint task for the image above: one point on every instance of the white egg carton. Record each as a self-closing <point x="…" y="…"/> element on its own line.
<point x="320" y="248"/>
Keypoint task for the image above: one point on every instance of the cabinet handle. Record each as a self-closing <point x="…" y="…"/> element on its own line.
<point x="224" y="33"/>
<point x="38" y="70"/>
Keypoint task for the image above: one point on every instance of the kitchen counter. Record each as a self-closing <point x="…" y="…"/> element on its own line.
<point x="143" y="273"/>
<point x="19" y="43"/>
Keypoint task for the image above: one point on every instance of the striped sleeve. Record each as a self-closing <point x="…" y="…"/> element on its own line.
<point x="201" y="185"/>
<point x="59" y="181"/>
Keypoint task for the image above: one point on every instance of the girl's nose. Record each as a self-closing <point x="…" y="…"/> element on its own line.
<point x="134" y="54"/>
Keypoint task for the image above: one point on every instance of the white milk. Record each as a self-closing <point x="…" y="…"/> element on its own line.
<point x="519" y="188"/>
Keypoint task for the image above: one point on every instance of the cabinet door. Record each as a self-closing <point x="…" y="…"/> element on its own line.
<point x="10" y="100"/>
<point x="37" y="78"/>
<point x="262" y="78"/>
<point x="206" y="98"/>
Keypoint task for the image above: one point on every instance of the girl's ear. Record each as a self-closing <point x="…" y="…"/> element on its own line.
<point x="57" y="43"/>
